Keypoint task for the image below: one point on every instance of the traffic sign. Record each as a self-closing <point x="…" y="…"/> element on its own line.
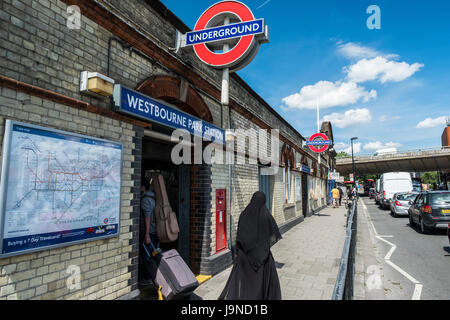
<point x="318" y="142"/>
<point x="243" y="34"/>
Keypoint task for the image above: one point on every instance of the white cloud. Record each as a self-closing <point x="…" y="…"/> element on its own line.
<point x="381" y="69"/>
<point x="384" y="118"/>
<point x="328" y="94"/>
<point x="393" y="145"/>
<point x="343" y="147"/>
<point x="349" y="118"/>
<point x="430" y="123"/>
<point x="339" y="146"/>
<point x="377" y="145"/>
<point x="353" y="50"/>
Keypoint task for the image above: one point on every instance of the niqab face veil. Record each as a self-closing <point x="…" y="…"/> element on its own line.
<point x="257" y="231"/>
<point x="254" y="275"/>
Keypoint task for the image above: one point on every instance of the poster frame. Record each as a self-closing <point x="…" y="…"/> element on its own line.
<point x="7" y="140"/>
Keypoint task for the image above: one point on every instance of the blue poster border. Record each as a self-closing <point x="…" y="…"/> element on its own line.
<point x="10" y="127"/>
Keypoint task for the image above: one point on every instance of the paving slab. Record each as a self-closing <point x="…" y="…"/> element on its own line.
<point x="308" y="259"/>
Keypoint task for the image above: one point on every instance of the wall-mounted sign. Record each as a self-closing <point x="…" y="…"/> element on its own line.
<point x="243" y="33"/>
<point x="318" y="142"/>
<point x="333" y="175"/>
<point x="57" y="188"/>
<point x="306" y="169"/>
<point x="136" y="104"/>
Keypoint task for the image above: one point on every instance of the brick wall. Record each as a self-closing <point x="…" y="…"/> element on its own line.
<point x="104" y="263"/>
<point x="200" y="216"/>
<point x="37" y="48"/>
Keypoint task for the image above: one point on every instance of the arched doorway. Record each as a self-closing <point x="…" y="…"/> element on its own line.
<point x="185" y="183"/>
<point x="177" y="92"/>
<point x="288" y="161"/>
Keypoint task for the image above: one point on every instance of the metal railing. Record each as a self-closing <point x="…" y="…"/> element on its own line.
<point x="399" y="153"/>
<point x="343" y="289"/>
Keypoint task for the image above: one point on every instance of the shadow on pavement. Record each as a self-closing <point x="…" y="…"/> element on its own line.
<point x="433" y="232"/>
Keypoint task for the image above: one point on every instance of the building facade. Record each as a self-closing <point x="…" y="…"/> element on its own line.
<point x="41" y="59"/>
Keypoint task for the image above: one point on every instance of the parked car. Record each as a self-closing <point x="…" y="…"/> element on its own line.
<point x="372" y="193"/>
<point x="391" y="183"/>
<point x="448" y="232"/>
<point x="430" y="209"/>
<point x="377" y="192"/>
<point x="400" y="203"/>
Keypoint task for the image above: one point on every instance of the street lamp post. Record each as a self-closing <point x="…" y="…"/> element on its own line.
<point x="353" y="162"/>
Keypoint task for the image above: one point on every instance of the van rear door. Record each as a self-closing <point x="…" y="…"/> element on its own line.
<point x="394" y="186"/>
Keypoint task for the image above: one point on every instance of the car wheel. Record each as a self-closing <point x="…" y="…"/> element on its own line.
<point x="423" y="228"/>
<point x="411" y="221"/>
<point x="393" y="214"/>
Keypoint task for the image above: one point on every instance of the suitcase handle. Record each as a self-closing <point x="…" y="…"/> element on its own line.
<point x="155" y="251"/>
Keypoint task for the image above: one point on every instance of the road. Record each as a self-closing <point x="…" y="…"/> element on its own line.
<point x="417" y="263"/>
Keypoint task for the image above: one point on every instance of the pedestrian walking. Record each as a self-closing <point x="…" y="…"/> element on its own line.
<point x="335" y="194"/>
<point x="254" y="275"/>
<point x="341" y="194"/>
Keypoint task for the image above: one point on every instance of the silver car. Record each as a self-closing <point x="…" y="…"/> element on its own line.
<point x="400" y="203"/>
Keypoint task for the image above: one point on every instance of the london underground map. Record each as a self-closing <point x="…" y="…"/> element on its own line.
<point x="60" y="188"/>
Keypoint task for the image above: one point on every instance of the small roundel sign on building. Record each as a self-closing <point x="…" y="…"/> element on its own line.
<point x="227" y="35"/>
<point x="318" y="142"/>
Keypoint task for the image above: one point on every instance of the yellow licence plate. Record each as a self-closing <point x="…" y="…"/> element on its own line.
<point x="445" y="211"/>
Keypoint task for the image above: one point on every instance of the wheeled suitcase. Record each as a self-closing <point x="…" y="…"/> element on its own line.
<point x="169" y="271"/>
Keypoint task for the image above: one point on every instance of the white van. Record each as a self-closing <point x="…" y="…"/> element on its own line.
<point x="386" y="151"/>
<point x="393" y="182"/>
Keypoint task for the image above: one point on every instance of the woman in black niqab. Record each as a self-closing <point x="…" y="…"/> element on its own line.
<point x="254" y="275"/>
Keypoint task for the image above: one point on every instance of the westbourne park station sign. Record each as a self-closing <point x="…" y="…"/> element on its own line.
<point x="226" y="35"/>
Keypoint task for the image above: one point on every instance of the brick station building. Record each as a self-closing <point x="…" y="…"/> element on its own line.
<point x="41" y="60"/>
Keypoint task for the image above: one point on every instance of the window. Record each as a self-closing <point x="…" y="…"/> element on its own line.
<point x="287" y="158"/>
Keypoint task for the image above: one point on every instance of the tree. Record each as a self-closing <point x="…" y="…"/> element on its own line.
<point x="429" y="177"/>
<point x="342" y="155"/>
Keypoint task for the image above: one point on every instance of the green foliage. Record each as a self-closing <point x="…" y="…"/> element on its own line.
<point x="368" y="176"/>
<point x="342" y="155"/>
<point x="430" y="177"/>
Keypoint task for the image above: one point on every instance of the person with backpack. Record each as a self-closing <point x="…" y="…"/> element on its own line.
<point x="148" y="205"/>
<point x="148" y="234"/>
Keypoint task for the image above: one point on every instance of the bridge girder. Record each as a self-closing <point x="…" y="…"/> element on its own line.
<point x="428" y="161"/>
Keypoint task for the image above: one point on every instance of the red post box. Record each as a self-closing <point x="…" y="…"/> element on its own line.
<point x="221" y="221"/>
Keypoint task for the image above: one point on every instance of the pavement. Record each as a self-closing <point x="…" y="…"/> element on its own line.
<point x="307" y="259"/>
<point x="394" y="261"/>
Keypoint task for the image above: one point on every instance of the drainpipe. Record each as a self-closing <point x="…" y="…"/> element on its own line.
<point x="230" y="232"/>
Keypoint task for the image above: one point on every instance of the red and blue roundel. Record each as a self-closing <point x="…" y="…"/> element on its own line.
<point x="318" y="142"/>
<point x="248" y="32"/>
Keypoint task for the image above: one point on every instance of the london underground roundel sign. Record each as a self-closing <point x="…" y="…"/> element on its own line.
<point x="243" y="34"/>
<point x="318" y="142"/>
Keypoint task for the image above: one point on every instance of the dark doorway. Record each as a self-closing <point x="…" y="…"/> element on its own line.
<point x="264" y="186"/>
<point x="156" y="159"/>
<point x="305" y="194"/>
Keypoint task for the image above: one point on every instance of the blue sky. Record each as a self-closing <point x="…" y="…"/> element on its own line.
<point x="389" y="87"/>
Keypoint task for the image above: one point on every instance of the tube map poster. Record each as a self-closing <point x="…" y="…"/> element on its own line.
<point x="57" y="188"/>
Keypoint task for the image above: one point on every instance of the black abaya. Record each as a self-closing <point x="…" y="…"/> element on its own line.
<point x="254" y="275"/>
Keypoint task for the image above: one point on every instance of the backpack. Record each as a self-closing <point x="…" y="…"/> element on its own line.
<point x="166" y="221"/>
